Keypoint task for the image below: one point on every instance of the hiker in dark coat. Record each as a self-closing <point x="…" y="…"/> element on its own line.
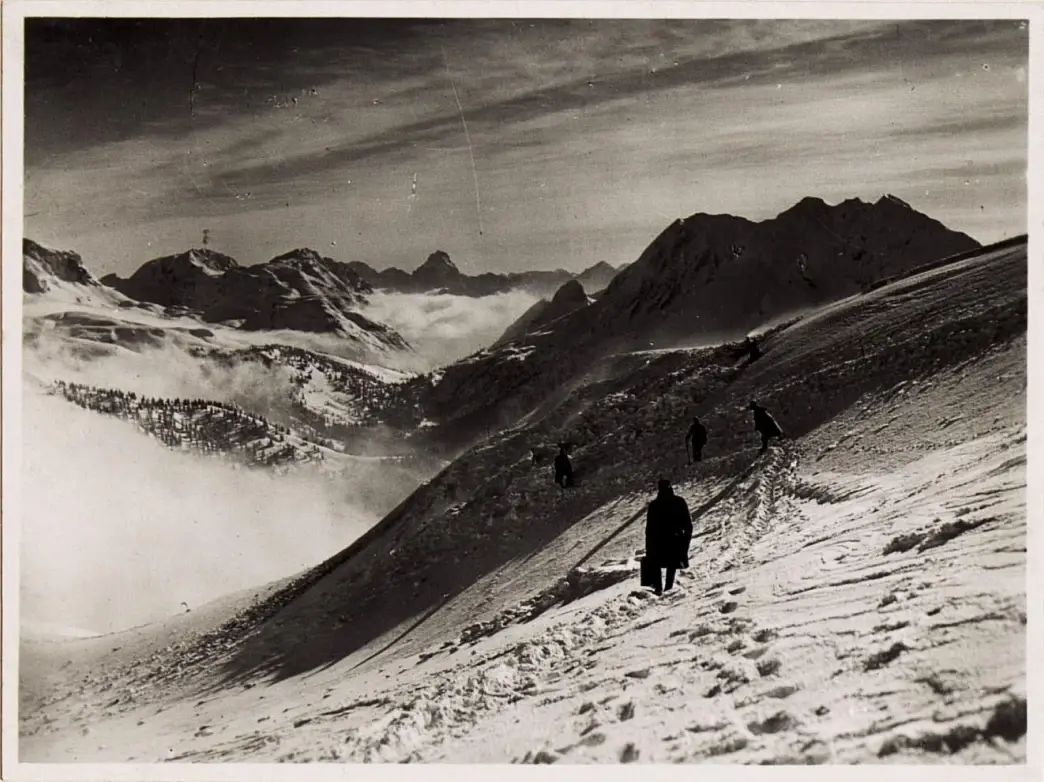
<point x="563" y="468"/>
<point x="668" y="531"/>
<point x="697" y="435"/>
<point x="764" y="424"/>
<point x="753" y="351"/>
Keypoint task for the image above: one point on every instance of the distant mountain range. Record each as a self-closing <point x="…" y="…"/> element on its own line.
<point x="300" y="290"/>
<point x="439" y="274"/>
<point x="704" y="278"/>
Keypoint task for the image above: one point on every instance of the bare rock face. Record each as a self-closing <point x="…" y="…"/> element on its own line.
<point x="41" y="266"/>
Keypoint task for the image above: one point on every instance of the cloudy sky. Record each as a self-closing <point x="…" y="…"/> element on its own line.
<point x="509" y="144"/>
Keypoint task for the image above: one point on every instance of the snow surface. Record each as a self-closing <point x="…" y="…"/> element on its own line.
<point x="854" y="595"/>
<point x="794" y="637"/>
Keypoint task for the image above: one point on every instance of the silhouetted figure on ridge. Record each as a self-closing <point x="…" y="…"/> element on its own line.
<point x="753" y="351"/>
<point x="668" y="532"/>
<point x="563" y="468"/>
<point x="764" y="424"/>
<point x="697" y="435"/>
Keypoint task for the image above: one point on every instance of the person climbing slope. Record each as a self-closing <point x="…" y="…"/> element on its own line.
<point x="563" y="468"/>
<point x="697" y="436"/>
<point x="753" y="351"/>
<point x="764" y="424"/>
<point x="668" y="532"/>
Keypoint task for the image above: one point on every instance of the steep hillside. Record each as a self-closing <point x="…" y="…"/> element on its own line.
<point x="300" y="290"/>
<point x="713" y="273"/>
<point x="837" y="608"/>
<point x="569" y="298"/>
<point x="704" y="279"/>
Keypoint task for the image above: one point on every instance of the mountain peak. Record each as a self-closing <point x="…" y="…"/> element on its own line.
<point x="438" y="263"/>
<point x="210" y="260"/>
<point x="894" y="200"/>
<point x="570" y="293"/>
<point x="809" y="206"/>
<point x="300" y="255"/>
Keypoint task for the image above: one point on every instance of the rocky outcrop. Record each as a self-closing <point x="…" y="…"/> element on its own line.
<point x="41" y="267"/>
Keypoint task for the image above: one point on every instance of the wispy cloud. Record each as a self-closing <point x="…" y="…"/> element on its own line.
<point x="584" y="133"/>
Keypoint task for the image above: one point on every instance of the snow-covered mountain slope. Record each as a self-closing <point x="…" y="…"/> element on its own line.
<point x="60" y="278"/>
<point x="300" y="290"/>
<point x="856" y="594"/>
<point x="703" y="280"/>
<point x="330" y="388"/>
<point x="344" y="404"/>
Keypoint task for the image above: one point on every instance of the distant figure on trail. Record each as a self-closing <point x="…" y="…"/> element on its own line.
<point x="535" y="455"/>
<point x="764" y="424"/>
<point x="753" y="351"/>
<point x="697" y="435"/>
<point x="563" y="468"/>
<point x="668" y="532"/>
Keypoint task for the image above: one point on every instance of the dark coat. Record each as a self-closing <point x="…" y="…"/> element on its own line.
<point x="765" y="424"/>
<point x="563" y="467"/>
<point x="668" y="531"/>
<point x="697" y="434"/>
